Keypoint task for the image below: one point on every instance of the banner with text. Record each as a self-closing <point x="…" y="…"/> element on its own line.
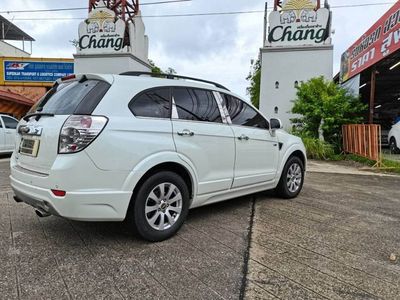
<point x="36" y="71"/>
<point x="381" y="40"/>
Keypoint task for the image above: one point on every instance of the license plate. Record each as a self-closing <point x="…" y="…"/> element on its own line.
<point x="29" y="147"/>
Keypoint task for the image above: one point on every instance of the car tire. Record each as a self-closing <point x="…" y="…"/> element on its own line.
<point x="292" y="178"/>
<point x="160" y="207"/>
<point x="393" y="146"/>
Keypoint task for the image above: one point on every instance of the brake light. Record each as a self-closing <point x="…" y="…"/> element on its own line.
<point x="69" y="77"/>
<point x="79" y="131"/>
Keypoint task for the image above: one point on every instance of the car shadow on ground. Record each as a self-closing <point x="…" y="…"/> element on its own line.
<point x="217" y="214"/>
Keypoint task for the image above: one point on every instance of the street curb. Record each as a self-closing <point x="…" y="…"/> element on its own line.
<point x="354" y="173"/>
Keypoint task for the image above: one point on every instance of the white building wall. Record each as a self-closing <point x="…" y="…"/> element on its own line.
<point x="139" y="41"/>
<point x="7" y="49"/>
<point x="286" y="65"/>
<point x="109" y="63"/>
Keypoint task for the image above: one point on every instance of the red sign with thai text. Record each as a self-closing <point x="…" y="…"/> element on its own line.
<point x="381" y="40"/>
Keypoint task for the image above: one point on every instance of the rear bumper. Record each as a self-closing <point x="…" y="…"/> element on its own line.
<point x="89" y="206"/>
<point x="91" y="195"/>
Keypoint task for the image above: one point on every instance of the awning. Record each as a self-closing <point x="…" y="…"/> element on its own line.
<point x="16" y="98"/>
<point x="9" y="31"/>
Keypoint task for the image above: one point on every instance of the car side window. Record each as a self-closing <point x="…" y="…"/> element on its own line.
<point x="154" y="103"/>
<point x="243" y="114"/>
<point x="196" y="105"/>
<point x="1" y="123"/>
<point x="10" y="123"/>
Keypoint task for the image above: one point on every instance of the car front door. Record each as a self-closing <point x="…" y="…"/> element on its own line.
<point x="10" y="125"/>
<point x="257" y="151"/>
<point x="203" y="139"/>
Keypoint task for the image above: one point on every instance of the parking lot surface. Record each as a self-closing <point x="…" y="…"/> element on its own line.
<point x="333" y="242"/>
<point x="42" y="258"/>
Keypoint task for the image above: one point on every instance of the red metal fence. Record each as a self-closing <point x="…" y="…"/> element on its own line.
<point x="363" y="140"/>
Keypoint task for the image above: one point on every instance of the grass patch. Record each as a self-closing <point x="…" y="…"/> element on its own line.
<point x="388" y="165"/>
<point x="317" y="149"/>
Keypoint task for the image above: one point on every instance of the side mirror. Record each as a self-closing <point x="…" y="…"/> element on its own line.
<point x="275" y="124"/>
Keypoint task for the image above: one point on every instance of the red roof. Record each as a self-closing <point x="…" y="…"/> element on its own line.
<point x="13" y="97"/>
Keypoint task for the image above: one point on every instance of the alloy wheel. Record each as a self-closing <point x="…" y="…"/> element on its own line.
<point x="294" y="178"/>
<point x="163" y="206"/>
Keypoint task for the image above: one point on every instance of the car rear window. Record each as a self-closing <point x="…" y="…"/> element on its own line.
<point x="76" y="97"/>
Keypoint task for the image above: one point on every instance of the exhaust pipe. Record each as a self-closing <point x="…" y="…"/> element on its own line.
<point x="16" y="199"/>
<point x="41" y="213"/>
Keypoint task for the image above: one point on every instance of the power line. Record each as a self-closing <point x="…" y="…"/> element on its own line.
<point x="81" y="8"/>
<point x="362" y="5"/>
<point x="198" y="14"/>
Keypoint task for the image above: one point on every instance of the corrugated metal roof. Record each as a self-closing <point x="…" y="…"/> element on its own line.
<point x="9" y="31"/>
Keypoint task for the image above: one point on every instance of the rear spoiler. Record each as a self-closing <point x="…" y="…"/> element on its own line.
<point x="83" y="77"/>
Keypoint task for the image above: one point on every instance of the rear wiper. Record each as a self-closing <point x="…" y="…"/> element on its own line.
<point x="37" y="115"/>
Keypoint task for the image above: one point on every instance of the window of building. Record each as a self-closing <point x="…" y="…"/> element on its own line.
<point x="196" y="105"/>
<point x="243" y="114"/>
<point x="154" y="103"/>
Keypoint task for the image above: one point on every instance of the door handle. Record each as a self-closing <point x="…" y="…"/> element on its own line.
<point x="8" y="132"/>
<point x="243" y="138"/>
<point x="186" y="132"/>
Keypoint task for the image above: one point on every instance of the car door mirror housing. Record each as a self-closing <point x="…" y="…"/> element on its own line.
<point x="275" y="124"/>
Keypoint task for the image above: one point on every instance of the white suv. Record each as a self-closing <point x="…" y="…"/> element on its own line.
<point x="145" y="149"/>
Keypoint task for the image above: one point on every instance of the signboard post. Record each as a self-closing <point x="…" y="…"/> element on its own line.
<point x="297" y="47"/>
<point x="298" y="23"/>
<point x="110" y="41"/>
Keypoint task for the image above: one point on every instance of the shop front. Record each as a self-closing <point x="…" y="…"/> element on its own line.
<point x="371" y="69"/>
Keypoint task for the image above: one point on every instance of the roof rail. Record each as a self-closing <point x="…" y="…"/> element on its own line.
<point x="173" y="76"/>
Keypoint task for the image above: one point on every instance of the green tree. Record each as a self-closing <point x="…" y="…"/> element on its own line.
<point x="323" y="104"/>
<point x="170" y="71"/>
<point x="154" y="68"/>
<point x="255" y="79"/>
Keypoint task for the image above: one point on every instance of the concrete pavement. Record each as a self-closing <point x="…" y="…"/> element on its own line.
<point x="332" y="242"/>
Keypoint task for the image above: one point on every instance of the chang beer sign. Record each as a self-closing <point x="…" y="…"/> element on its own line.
<point x="101" y="32"/>
<point x="299" y="23"/>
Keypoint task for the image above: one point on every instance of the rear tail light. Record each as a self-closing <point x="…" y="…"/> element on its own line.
<point x="79" y="131"/>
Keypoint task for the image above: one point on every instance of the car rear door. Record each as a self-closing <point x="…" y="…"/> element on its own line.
<point x="257" y="151"/>
<point x="10" y="125"/>
<point x="202" y="138"/>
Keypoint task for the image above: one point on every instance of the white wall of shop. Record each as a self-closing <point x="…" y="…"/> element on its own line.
<point x="285" y="66"/>
<point x="7" y="49"/>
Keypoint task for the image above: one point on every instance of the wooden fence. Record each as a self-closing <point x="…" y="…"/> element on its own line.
<point x="363" y="140"/>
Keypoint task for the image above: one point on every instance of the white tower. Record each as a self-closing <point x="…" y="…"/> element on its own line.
<point x="297" y="47"/>
<point x="112" y="39"/>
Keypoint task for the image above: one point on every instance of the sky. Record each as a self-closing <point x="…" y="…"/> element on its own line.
<point x="217" y="48"/>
